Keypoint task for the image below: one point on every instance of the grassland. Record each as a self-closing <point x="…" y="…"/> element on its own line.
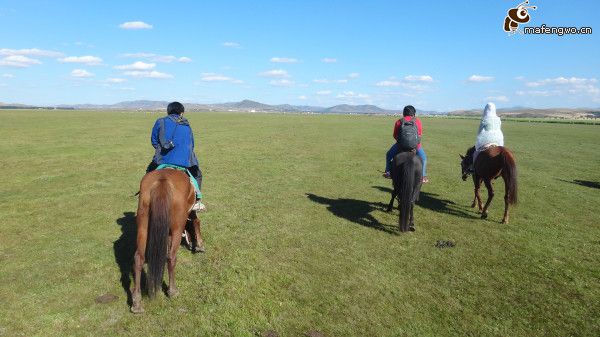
<point x="297" y="240"/>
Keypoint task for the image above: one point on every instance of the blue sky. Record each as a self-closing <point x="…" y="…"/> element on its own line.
<point x="436" y="55"/>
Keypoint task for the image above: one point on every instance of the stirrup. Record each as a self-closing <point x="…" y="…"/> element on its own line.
<point x="199" y="207"/>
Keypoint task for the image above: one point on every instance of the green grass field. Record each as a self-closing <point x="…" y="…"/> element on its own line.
<point x="297" y="240"/>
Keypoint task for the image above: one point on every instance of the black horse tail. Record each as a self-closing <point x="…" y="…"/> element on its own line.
<point x="510" y="172"/>
<point x="158" y="232"/>
<point x="406" y="191"/>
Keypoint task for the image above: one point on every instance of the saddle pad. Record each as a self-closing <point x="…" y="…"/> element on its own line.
<point x="192" y="179"/>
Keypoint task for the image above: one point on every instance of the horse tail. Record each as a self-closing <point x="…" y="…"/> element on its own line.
<point x="158" y="232"/>
<point x="510" y="171"/>
<point x="406" y="191"/>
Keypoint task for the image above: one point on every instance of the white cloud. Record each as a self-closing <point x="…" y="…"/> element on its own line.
<point x="139" y="65"/>
<point x="30" y="52"/>
<point x="135" y="25"/>
<point x="324" y="81"/>
<point x="230" y="44"/>
<point x="148" y="74"/>
<point x="275" y="73"/>
<point x="501" y="98"/>
<point x="388" y="83"/>
<point x="8" y="75"/>
<point x="81" y="73"/>
<point x="328" y="60"/>
<point x="353" y="75"/>
<point x="87" y="60"/>
<point x="520" y="78"/>
<point x="159" y="58"/>
<point x="323" y="92"/>
<point x="283" y="60"/>
<point x="562" y="81"/>
<point x="418" y="78"/>
<point x="352" y="94"/>
<point x="479" y="78"/>
<point x="544" y="93"/>
<point x="282" y="83"/>
<point x="563" y="86"/>
<point x="302" y="97"/>
<point x="115" y="80"/>
<point x="212" y="77"/>
<point x="18" y="61"/>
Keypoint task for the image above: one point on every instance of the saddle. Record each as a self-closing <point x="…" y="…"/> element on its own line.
<point x="181" y="168"/>
<point x="483" y="149"/>
<point x="402" y="157"/>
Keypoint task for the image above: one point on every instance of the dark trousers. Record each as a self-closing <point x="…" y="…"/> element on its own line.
<point x="194" y="170"/>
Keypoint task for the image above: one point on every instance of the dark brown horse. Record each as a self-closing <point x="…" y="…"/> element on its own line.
<point x="490" y="164"/>
<point x="406" y="172"/>
<point x="165" y="199"/>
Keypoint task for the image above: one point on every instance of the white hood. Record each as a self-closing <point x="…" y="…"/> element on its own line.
<point x="490" y="110"/>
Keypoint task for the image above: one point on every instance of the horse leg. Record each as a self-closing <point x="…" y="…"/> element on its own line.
<point x="411" y="223"/>
<point x="391" y="204"/>
<point x="505" y="217"/>
<point x="142" y="234"/>
<point x="176" y="230"/>
<point x="475" y="190"/>
<point x="490" y="188"/>
<point x="198" y="247"/>
<point x="477" y="181"/>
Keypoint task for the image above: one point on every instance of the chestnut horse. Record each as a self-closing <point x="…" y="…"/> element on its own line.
<point x="406" y="175"/>
<point x="490" y="164"/>
<point x="165" y="199"/>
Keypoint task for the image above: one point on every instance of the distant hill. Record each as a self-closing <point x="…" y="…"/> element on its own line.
<point x="363" y="109"/>
<point x="253" y="106"/>
<point x="521" y="112"/>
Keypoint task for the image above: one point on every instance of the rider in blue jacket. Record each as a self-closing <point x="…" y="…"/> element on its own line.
<point x="173" y="141"/>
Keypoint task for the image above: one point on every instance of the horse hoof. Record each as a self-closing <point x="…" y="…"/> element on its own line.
<point x="484" y="215"/>
<point x="199" y="249"/>
<point x="173" y="293"/>
<point x="411" y="228"/>
<point x="137" y="309"/>
<point x="473" y="205"/>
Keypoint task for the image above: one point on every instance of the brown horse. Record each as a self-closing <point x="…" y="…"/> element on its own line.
<point x="166" y="197"/>
<point x="491" y="163"/>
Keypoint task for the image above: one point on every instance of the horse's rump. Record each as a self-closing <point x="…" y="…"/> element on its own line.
<point x="406" y="176"/>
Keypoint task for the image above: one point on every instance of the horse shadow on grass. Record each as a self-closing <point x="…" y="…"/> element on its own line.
<point x="124" y="249"/>
<point x="433" y="202"/>
<point x="357" y="211"/>
<point x="586" y="183"/>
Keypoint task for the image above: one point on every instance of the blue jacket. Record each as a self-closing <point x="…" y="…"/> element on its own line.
<point x="173" y="141"/>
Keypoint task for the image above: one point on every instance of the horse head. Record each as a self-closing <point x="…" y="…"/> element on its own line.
<point x="466" y="163"/>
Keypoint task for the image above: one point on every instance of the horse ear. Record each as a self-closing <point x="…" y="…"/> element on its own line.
<point x="461" y="156"/>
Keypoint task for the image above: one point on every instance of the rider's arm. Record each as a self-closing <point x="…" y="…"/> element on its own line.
<point x="154" y="137"/>
<point x="396" y="128"/>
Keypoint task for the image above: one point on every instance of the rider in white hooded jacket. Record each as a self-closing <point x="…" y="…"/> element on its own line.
<point x="489" y="130"/>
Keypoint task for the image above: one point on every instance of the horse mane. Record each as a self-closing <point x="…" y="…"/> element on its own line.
<point x="470" y="151"/>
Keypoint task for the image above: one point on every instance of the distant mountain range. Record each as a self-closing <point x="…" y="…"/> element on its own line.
<point x="253" y="106"/>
